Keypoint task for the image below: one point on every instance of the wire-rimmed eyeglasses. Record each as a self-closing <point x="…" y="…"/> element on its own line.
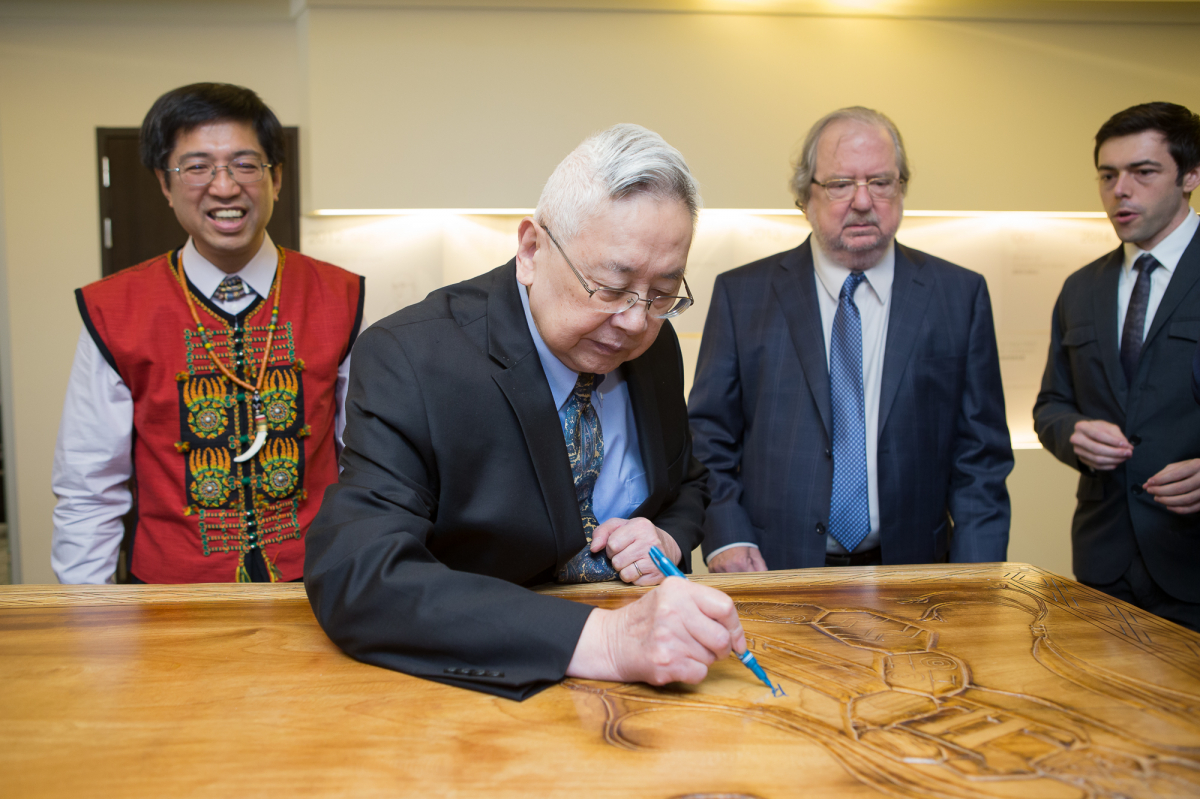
<point x="839" y="189"/>
<point x="201" y="173"/>
<point x="615" y="301"/>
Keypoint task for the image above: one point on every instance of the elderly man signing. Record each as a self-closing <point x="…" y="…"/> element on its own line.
<point x="527" y="426"/>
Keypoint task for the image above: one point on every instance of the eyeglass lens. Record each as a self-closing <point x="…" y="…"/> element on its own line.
<point x="201" y="173"/>
<point x="879" y="188"/>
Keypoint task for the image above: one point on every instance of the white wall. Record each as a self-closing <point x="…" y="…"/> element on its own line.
<point x="474" y="108"/>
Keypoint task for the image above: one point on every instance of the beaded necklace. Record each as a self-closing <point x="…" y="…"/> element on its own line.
<point x="260" y="418"/>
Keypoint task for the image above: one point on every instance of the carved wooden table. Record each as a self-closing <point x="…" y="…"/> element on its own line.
<point x="997" y="680"/>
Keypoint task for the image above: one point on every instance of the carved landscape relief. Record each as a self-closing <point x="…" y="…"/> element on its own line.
<point x="918" y="697"/>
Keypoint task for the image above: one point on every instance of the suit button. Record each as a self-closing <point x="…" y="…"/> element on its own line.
<point x="821" y="528"/>
<point x="1137" y="489"/>
<point x="828" y="452"/>
<point x="1135" y="440"/>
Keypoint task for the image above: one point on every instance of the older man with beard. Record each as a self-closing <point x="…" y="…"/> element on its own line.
<point x="847" y="399"/>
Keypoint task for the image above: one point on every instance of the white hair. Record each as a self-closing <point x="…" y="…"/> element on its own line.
<point x="616" y="163"/>
<point x="805" y="167"/>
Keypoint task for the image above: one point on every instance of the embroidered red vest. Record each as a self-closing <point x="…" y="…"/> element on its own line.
<point x="199" y="511"/>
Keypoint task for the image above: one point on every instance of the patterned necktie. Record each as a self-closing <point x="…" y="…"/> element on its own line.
<point x="1135" y="316"/>
<point x="849" y="507"/>
<point x="585" y="448"/>
<point x="231" y="288"/>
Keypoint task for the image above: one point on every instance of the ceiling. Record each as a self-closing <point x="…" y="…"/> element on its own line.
<point x="1100" y="11"/>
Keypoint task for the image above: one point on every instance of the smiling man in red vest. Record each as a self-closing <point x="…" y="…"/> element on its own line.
<point x="213" y="375"/>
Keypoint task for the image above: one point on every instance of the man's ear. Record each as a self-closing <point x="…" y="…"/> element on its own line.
<point x="1191" y="180"/>
<point x="277" y="179"/>
<point x="162" y="182"/>
<point x="527" y="248"/>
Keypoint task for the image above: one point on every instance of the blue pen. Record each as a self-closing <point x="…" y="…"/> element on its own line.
<point x="669" y="569"/>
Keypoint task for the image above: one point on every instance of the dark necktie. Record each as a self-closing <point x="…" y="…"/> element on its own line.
<point x="849" y="507"/>
<point x="231" y="288"/>
<point x="585" y="448"/>
<point x="1135" y="316"/>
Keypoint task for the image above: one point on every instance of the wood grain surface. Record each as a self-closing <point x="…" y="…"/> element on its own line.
<point x="994" y="680"/>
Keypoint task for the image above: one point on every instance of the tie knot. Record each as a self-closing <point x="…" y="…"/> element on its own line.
<point x="584" y="386"/>
<point x="231" y="288"/>
<point x="1146" y="263"/>
<point x="851" y="285"/>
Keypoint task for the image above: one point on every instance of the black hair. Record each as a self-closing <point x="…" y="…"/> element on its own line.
<point x="1178" y="125"/>
<point x="190" y="106"/>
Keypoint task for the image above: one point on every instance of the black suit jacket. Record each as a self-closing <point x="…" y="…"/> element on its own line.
<point x="1083" y="380"/>
<point x="761" y="416"/>
<point x="456" y="492"/>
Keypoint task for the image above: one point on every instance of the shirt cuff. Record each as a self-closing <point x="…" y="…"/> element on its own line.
<point x="716" y="552"/>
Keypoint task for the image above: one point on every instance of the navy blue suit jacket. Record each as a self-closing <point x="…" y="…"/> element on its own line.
<point x="1115" y="518"/>
<point x="760" y="415"/>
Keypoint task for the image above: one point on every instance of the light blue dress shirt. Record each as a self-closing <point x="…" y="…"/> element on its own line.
<point x="621" y="486"/>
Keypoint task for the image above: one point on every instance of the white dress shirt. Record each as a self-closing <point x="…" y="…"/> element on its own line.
<point x="1167" y="253"/>
<point x="621" y="485"/>
<point x="93" y="458"/>
<point x="874" y="299"/>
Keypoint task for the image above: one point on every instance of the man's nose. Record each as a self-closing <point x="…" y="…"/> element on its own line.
<point x="861" y="200"/>
<point x="634" y="319"/>
<point x="223" y="184"/>
<point x="1123" y="184"/>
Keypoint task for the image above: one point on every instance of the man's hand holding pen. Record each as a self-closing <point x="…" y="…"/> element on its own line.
<point x="671" y="634"/>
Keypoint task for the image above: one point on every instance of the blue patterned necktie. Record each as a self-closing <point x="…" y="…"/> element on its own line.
<point x="1135" y="316"/>
<point x="585" y="448"/>
<point x="231" y="288"/>
<point x="849" y="507"/>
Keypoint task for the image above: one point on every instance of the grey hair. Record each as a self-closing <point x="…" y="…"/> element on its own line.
<point x="805" y="167"/>
<point x="622" y="161"/>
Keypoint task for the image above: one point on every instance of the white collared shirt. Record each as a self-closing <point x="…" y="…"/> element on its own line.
<point x="1167" y="253"/>
<point x="93" y="457"/>
<point x="874" y="300"/>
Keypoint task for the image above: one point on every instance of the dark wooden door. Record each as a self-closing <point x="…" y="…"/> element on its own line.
<point x="137" y="224"/>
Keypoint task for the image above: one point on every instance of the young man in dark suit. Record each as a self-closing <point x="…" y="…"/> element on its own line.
<point x="847" y="399"/>
<point x="526" y="426"/>
<point x="1116" y="398"/>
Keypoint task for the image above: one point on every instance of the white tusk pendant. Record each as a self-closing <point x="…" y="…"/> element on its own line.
<point x="260" y="432"/>
<point x="260" y="438"/>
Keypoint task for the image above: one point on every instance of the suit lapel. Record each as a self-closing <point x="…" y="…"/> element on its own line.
<point x="640" y="377"/>
<point x="1187" y="272"/>
<point x="911" y="290"/>
<point x="795" y="284"/>
<point x="1105" y="314"/>
<point x="524" y="385"/>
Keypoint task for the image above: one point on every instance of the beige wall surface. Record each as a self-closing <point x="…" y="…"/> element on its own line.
<point x="472" y="109"/>
<point x="58" y="83"/>
<point x="428" y="108"/>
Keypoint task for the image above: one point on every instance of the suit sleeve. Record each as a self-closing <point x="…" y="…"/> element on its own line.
<point x="1056" y="411"/>
<point x="683" y="515"/>
<point x="715" y="410"/>
<point x="373" y="584"/>
<point x="982" y="457"/>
